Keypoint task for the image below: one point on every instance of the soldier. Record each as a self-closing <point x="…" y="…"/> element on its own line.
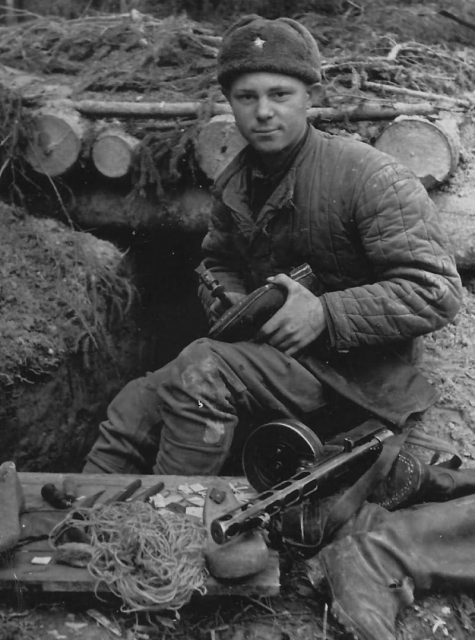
<point x="383" y="277"/>
<point x="363" y="223"/>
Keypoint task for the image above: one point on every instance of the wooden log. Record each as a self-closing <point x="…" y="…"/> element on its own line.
<point x="219" y="141"/>
<point x="144" y="109"/>
<point x="361" y="111"/>
<point x="113" y="152"/>
<point x="457" y="218"/>
<point x="372" y="111"/>
<point x="56" y="141"/>
<point x="430" y="149"/>
<point x="116" y="206"/>
<point x="35" y="90"/>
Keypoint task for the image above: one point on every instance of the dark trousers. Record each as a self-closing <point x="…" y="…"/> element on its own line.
<point x="182" y="419"/>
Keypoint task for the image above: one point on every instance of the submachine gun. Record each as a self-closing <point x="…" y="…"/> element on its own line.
<point x="286" y="462"/>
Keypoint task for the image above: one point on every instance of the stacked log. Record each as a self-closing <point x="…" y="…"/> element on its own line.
<point x="219" y="141"/>
<point x="62" y="131"/>
<point x="113" y="152"/>
<point x="56" y="140"/>
<point x="430" y="149"/>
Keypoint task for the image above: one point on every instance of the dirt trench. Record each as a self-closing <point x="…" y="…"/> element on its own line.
<point x="71" y="341"/>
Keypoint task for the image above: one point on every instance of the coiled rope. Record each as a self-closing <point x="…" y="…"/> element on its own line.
<point x="152" y="560"/>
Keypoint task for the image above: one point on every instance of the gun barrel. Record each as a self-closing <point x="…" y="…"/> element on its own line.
<point x="259" y="511"/>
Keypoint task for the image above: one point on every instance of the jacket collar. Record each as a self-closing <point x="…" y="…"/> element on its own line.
<point x="233" y="189"/>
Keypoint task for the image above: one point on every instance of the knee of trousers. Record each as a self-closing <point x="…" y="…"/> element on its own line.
<point x="201" y="365"/>
<point x="199" y="382"/>
<point x="199" y="351"/>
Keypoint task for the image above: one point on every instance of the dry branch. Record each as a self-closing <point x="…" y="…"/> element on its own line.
<point x="451" y="16"/>
<point x="423" y="95"/>
<point x="373" y="62"/>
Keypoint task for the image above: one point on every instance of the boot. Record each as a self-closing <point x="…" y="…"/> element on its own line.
<point x="373" y="570"/>
<point x="411" y="481"/>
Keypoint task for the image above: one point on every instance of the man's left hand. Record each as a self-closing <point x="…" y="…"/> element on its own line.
<point x="298" y="322"/>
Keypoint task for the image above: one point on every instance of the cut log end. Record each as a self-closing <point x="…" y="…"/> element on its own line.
<point x="56" y="142"/>
<point x="218" y="143"/>
<point x="431" y="150"/>
<point x="113" y="152"/>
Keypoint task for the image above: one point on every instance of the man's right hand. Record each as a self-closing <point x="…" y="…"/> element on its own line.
<point x="298" y="322"/>
<point x="217" y="308"/>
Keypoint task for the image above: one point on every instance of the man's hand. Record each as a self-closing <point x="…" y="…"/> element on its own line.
<point x="217" y="308"/>
<point x="298" y="322"/>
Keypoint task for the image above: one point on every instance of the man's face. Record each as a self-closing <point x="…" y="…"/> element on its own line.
<point x="270" y="109"/>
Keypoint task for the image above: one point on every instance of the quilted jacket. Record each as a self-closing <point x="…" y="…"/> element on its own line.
<point x="363" y="223"/>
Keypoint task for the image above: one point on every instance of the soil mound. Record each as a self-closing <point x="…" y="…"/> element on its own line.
<point x="61" y="289"/>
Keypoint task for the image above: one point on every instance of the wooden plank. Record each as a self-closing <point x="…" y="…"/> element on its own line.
<point x="20" y="573"/>
<point x="62" y="579"/>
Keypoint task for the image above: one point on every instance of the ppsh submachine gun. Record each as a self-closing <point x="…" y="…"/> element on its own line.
<point x="287" y="463"/>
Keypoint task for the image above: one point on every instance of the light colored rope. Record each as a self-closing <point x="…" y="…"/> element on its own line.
<point x="152" y="560"/>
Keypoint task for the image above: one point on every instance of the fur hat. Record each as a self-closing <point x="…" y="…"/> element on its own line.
<point x="282" y="46"/>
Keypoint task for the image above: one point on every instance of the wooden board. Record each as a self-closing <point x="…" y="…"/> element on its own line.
<point x="20" y="574"/>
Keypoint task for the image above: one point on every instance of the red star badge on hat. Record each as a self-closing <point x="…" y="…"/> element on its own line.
<point x="259" y="42"/>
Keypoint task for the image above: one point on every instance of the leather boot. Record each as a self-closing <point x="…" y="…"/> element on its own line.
<point x="383" y="557"/>
<point x="411" y="481"/>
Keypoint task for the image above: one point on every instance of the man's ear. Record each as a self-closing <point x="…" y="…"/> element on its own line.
<point x="316" y="94"/>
